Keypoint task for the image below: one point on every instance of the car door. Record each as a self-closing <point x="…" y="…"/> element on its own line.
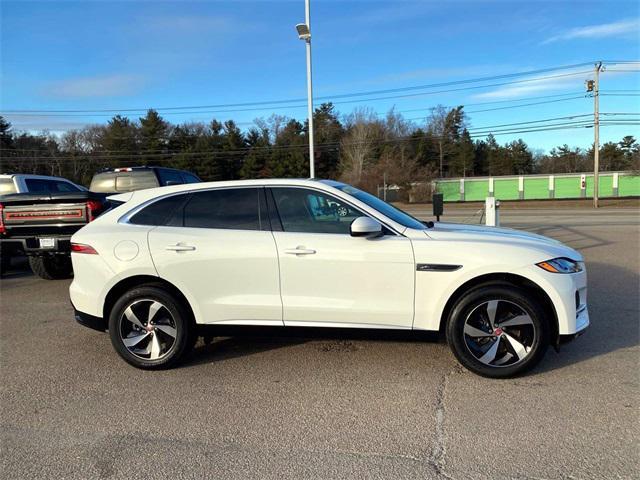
<point x="328" y="277"/>
<point x="217" y="248"/>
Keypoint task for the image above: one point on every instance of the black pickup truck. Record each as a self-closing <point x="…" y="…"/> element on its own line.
<point x="41" y="225"/>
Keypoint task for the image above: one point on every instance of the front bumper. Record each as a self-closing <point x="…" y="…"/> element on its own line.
<point x="582" y="323"/>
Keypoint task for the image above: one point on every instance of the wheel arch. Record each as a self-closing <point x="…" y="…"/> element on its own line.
<point x="135" y="281"/>
<point x="507" y="279"/>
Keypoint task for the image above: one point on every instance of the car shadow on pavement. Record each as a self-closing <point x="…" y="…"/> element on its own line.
<point x="614" y="312"/>
<point x="233" y="342"/>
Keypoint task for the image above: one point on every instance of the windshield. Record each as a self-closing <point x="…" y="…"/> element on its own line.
<point x="383" y="207"/>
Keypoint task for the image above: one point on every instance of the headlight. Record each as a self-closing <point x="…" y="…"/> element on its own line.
<point x="561" y="265"/>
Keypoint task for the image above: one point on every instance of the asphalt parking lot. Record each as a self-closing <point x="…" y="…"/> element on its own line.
<point x="330" y="404"/>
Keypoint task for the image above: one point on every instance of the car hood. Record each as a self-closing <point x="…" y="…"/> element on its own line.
<point x="501" y="236"/>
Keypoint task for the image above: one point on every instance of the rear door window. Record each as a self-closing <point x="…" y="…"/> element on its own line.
<point x="231" y="208"/>
<point x="160" y="212"/>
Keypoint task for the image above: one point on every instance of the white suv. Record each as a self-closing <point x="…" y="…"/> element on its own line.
<point x="277" y="253"/>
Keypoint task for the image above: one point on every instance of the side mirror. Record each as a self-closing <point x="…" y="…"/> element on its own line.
<point x="365" y="227"/>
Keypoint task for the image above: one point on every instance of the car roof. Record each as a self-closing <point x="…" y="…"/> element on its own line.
<point x="150" y="193"/>
<point x="140" y="197"/>
<point x="139" y="167"/>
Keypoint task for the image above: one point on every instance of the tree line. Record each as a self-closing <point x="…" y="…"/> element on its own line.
<point x="361" y="148"/>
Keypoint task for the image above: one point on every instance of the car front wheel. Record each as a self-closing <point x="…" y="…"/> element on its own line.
<point x="150" y="328"/>
<point x="498" y="331"/>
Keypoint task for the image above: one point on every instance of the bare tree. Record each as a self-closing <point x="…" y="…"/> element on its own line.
<point x="357" y="146"/>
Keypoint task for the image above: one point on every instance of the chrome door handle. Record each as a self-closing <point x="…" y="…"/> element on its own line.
<point x="300" y="251"/>
<point x="178" y="247"/>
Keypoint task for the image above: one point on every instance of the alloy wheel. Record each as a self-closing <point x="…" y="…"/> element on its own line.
<point x="148" y="329"/>
<point x="499" y="333"/>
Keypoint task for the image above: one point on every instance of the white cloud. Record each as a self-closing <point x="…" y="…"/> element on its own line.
<point x="99" y="86"/>
<point x="615" y="29"/>
<point x="562" y="81"/>
<point x="42" y="123"/>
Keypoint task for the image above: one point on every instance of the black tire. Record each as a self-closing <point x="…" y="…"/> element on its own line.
<point x="509" y="304"/>
<point x="180" y="319"/>
<point x="53" y="267"/>
<point x="5" y="263"/>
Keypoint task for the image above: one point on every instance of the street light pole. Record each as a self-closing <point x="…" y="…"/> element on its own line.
<point x="304" y="33"/>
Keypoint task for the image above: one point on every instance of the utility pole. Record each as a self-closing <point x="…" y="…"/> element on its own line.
<point x="304" y="33"/>
<point x="596" y="133"/>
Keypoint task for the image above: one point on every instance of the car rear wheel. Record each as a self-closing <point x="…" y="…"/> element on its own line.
<point x="51" y="267"/>
<point x="498" y="331"/>
<point x="150" y="328"/>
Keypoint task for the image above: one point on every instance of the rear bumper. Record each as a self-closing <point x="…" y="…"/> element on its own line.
<point x="31" y="245"/>
<point x="89" y="321"/>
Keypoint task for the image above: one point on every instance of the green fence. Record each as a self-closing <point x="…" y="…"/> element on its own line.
<point x="538" y="187"/>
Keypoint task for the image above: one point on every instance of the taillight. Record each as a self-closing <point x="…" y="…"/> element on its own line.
<point x="94" y="208"/>
<point x="83" y="248"/>
<point x="2" y="228"/>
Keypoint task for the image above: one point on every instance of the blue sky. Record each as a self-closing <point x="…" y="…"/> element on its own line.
<point x="63" y="55"/>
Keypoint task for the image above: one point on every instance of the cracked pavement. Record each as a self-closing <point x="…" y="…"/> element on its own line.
<point x="329" y="404"/>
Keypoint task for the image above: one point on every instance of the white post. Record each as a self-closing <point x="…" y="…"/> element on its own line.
<point x="521" y="187"/>
<point x="616" y="177"/>
<point x="583" y="186"/>
<point x="307" y="12"/>
<point x="462" y="189"/>
<point x="552" y="186"/>
<point x="492" y="216"/>
<point x="491" y="186"/>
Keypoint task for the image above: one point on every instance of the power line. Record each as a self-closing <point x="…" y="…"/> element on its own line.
<point x="328" y="97"/>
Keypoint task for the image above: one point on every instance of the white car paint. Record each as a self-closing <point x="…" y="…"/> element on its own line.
<point x="256" y="277"/>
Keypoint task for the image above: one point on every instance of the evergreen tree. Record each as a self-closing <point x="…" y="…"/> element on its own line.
<point x="119" y="141"/>
<point x="461" y="164"/>
<point x="153" y="133"/>
<point x="6" y="138"/>
<point x="255" y="162"/>
<point x="327" y="134"/>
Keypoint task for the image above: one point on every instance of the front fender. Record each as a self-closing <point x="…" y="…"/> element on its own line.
<point x="434" y="289"/>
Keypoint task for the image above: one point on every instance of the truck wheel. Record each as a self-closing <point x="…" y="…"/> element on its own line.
<point x="51" y="268"/>
<point x="5" y="263"/>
